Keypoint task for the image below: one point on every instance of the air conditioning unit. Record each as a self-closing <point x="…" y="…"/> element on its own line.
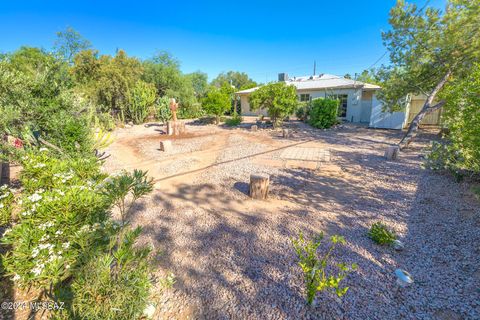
<point x="282" y="77"/>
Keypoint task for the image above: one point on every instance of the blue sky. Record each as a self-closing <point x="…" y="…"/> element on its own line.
<point x="261" y="38"/>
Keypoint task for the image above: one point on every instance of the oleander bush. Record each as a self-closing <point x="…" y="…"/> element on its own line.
<point x="323" y="113"/>
<point x="6" y="205"/>
<point x="64" y="230"/>
<point x="117" y="281"/>
<point x="380" y="234"/>
<point x="319" y="274"/>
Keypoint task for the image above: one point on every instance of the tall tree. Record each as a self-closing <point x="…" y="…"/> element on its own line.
<point x="69" y="43"/>
<point x="199" y="82"/>
<point x="427" y="49"/>
<point x="279" y="99"/>
<point x="239" y="80"/>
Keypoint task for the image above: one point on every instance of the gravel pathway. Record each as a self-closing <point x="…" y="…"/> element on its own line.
<point x="233" y="258"/>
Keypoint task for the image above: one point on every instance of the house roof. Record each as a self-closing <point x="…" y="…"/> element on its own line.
<point x="320" y="82"/>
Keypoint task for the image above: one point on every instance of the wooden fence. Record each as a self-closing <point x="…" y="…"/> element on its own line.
<point x="432" y="119"/>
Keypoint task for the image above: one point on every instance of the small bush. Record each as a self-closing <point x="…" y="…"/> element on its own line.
<point x="302" y="111"/>
<point x="134" y="185"/>
<point x="314" y="269"/>
<point x="380" y="234"/>
<point x="114" y="285"/>
<point x="235" y="120"/>
<point x="323" y="113"/>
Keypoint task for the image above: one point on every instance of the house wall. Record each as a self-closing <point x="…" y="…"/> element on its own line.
<point x="245" y="107"/>
<point x="359" y="103"/>
<point x="385" y="120"/>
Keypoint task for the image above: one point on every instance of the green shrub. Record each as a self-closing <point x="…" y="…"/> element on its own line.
<point x="380" y="234"/>
<point x="216" y="103"/>
<point x="6" y="205"/>
<point x="235" y="120"/>
<point x="459" y="152"/>
<point x="323" y="113"/>
<point x="302" y="110"/>
<point x="314" y="269"/>
<point x="114" y="285"/>
<point x="62" y="218"/>
<point x="66" y="243"/>
<point x="191" y="111"/>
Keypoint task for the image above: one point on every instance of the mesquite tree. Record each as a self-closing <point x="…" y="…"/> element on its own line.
<point x="427" y="49"/>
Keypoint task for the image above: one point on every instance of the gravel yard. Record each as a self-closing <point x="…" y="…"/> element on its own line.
<point x="233" y="258"/>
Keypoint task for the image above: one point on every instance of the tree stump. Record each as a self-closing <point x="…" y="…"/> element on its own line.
<point x="4" y="173"/>
<point x="170" y="127"/>
<point x="254" y="127"/>
<point x="259" y="184"/>
<point x="180" y="127"/>
<point x="286" y="133"/>
<point x="175" y="127"/>
<point x="392" y="153"/>
<point x="165" y="145"/>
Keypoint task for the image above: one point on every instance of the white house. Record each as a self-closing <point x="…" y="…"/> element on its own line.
<point x="358" y="100"/>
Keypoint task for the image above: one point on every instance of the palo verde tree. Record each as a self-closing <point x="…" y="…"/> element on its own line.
<point x="279" y="99"/>
<point x="428" y="48"/>
<point x="69" y="43"/>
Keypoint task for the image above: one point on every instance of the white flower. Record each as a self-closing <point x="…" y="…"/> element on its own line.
<point x="60" y="192"/>
<point x="1" y="205"/>
<point x="67" y="266"/>
<point x="66" y="245"/>
<point x="35" y="197"/>
<point x="43" y="149"/>
<point x="26" y="213"/>
<point x="41" y="190"/>
<point x="20" y="202"/>
<point x="40" y="165"/>
<point x="16" y="277"/>
<point x="24" y="158"/>
<point x="35" y="252"/>
<point x="58" y="232"/>
<point x="38" y="269"/>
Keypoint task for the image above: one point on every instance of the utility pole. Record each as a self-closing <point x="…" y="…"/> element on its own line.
<point x="314" y="67"/>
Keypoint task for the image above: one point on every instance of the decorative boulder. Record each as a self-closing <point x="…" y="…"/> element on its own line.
<point x="259" y="184"/>
<point x="392" y="153"/>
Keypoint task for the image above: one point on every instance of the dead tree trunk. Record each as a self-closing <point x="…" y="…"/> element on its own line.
<point x="426" y="109"/>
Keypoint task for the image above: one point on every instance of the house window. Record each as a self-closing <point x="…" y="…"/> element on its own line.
<point x="342" y="108"/>
<point x="304" y="97"/>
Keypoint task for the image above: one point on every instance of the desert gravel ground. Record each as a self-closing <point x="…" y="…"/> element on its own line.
<point x="232" y="256"/>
